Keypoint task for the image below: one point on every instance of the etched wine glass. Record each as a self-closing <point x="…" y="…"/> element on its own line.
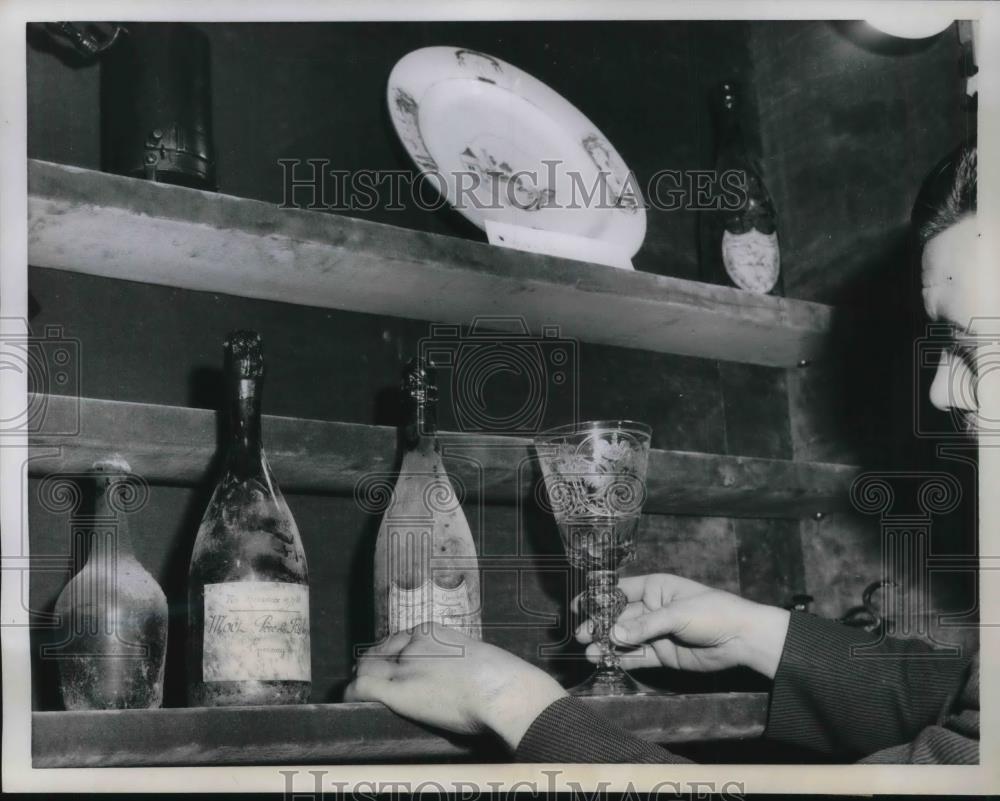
<point x="595" y="480"/>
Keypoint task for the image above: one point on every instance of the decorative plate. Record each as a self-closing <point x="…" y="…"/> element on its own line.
<point x="501" y="145"/>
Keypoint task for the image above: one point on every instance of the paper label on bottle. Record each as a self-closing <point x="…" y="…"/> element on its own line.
<point x="256" y="631"/>
<point x="431" y="602"/>
<point x="752" y="259"/>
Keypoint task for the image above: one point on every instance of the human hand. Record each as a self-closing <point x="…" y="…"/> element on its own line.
<point x="437" y="675"/>
<point x="679" y="623"/>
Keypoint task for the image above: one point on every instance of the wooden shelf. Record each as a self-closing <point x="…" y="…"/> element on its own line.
<point x="116" y="227"/>
<point x="343" y="733"/>
<point x="177" y="445"/>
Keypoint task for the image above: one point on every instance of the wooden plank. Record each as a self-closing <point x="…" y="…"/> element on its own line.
<point x="124" y="228"/>
<point x="178" y="445"/>
<point x="343" y="733"/>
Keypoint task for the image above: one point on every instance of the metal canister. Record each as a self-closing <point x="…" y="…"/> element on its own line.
<point x="156" y="104"/>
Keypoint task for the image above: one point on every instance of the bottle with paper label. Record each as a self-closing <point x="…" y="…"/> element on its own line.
<point x="739" y="236"/>
<point x="425" y="558"/>
<point x="248" y="591"/>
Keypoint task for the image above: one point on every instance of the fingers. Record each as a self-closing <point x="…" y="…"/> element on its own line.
<point x="370" y="688"/>
<point x="394" y="694"/>
<point x="650" y="626"/>
<point x="634" y="587"/>
<point x="655" y="589"/>
<point x="585" y="631"/>
<point x="391" y="645"/>
<point x="658" y="589"/>
<point x="381" y="661"/>
<point x="641" y="657"/>
<point x="377" y="667"/>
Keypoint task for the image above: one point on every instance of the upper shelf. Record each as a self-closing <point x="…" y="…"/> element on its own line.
<point x="125" y="228"/>
<point x="177" y="445"/>
<point x="339" y="733"/>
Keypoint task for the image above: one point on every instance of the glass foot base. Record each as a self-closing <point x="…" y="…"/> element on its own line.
<point x="606" y="683"/>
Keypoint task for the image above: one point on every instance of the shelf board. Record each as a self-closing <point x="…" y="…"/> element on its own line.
<point x="343" y="733"/>
<point x="178" y="445"/>
<point x="124" y="228"/>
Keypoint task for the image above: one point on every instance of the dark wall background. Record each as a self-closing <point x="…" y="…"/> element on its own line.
<point x="849" y="125"/>
<point x="829" y="112"/>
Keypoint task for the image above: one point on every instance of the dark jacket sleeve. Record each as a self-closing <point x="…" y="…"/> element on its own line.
<point x="842" y="692"/>
<point x="568" y="731"/>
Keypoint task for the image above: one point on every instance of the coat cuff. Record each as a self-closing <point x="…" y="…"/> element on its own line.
<point x="568" y="731"/>
<point x="836" y="698"/>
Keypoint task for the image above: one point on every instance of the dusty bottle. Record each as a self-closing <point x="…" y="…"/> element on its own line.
<point x="740" y="232"/>
<point x="425" y="558"/>
<point x="248" y="590"/>
<point x="115" y="612"/>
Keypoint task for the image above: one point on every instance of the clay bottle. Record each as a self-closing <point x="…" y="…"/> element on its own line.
<point x="115" y="612"/>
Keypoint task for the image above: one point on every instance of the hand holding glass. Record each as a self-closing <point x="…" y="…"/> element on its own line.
<point x="595" y="479"/>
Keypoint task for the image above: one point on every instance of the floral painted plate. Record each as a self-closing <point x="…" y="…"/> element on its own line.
<point x="502" y="146"/>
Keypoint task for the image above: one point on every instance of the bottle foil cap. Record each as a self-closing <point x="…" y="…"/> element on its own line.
<point x="245" y="354"/>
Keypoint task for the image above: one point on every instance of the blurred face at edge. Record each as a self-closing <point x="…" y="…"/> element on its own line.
<point x="953" y="293"/>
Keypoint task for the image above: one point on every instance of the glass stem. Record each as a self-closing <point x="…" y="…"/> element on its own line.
<point x="610" y="661"/>
<point x="605" y="602"/>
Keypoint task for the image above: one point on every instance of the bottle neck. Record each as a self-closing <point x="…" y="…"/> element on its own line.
<point x="420" y="431"/>
<point x="110" y="494"/>
<point x="245" y="458"/>
<point x="730" y="132"/>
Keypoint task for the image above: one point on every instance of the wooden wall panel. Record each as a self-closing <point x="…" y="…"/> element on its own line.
<point x="842" y="555"/>
<point x="756" y="419"/>
<point x="771" y="567"/>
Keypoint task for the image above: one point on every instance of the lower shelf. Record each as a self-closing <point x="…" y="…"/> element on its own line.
<point x="343" y="733"/>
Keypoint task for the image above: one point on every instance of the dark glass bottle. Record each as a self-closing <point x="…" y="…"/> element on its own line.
<point x="156" y="105"/>
<point x="248" y="588"/>
<point x="115" y="612"/>
<point x="739" y="237"/>
<point x="425" y="558"/>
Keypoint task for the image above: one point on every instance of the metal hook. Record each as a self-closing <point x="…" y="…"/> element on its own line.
<point x="866" y="599"/>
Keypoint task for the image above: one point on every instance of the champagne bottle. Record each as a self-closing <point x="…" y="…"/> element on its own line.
<point x="740" y="235"/>
<point x="248" y="588"/>
<point x="425" y="558"/>
<point x="115" y="612"/>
